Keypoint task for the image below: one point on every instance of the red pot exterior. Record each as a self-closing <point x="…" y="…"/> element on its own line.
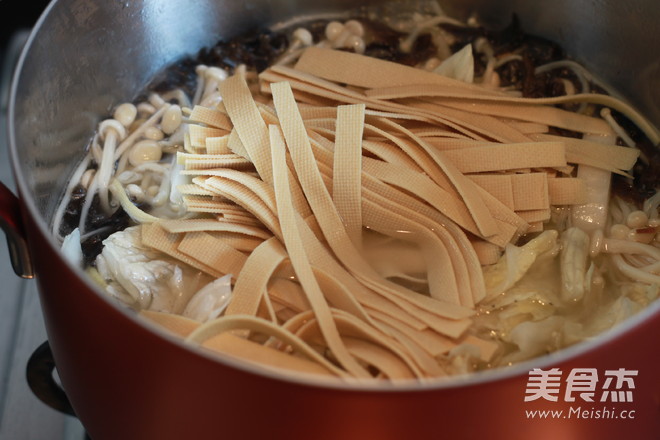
<point x="126" y="382"/>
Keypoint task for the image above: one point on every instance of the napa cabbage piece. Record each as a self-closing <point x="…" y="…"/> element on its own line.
<point x="537" y="337"/>
<point x="459" y="66"/>
<point x="144" y="278"/>
<point x="574" y="263"/>
<point x="516" y="261"/>
<point x="71" y="248"/>
<point x="620" y="309"/>
<point x="531" y="314"/>
<point x="210" y="301"/>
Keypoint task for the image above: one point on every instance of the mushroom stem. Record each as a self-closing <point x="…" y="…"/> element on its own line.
<point x="301" y="38"/>
<point x="606" y="114"/>
<point x="112" y="132"/>
<point x="75" y="179"/>
<point x="96" y="150"/>
<point x="592" y="215"/>
<point x="615" y="246"/>
<point x="93" y="187"/>
<point x="200" y="84"/>
<point x="651" y="206"/>
<point x="213" y="76"/>
<point x="634" y="272"/>
<point x="133" y="211"/>
<point x="422" y="26"/>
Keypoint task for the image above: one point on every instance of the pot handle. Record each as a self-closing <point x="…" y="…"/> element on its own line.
<point x="11" y="224"/>
<point x="40" y="379"/>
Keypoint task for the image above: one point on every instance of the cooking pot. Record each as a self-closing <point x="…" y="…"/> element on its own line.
<point x="128" y="380"/>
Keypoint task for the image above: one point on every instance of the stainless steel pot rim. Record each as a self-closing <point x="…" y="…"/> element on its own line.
<point x="498" y="374"/>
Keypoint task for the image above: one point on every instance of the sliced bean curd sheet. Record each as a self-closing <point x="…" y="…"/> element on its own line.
<point x="503" y="157"/>
<point x="535" y="215"/>
<point x="212" y="252"/>
<point x="453" y="274"/>
<point x="294" y="245"/>
<point x="198" y="134"/>
<point x="317" y="194"/>
<point x="326" y="125"/>
<point x="250" y="201"/>
<point x="431" y="169"/>
<point x="442" y="284"/>
<point x="238" y="241"/>
<point x="153" y="235"/>
<point x="210" y="116"/>
<point x="252" y="131"/>
<point x="583" y="123"/>
<point x="347" y="171"/>
<point x="306" y="242"/>
<point x="567" y="191"/>
<point x="217" y="145"/>
<point x="278" y="109"/>
<point x="613" y="157"/>
<point x="193" y="161"/>
<point x="193" y="190"/>
<point x="418" y="305"/>
<point x="442" y="281"/>
<point x="423" y="188"/>
<point x="211" y="329"/>
<point x="552" y="116"/>
<point x="236" y="146"/>
<point x="263" y="356"/>
<point x="389" y="365"/>
<point x="454" y="238"/>
<point x="302" y="82"/>
<point x="251" y="183"/>
<point x="320" y="256"/>
<point x="388" y="153"/>
<point x="305" y="325"/>
<point x="252" y="282"/>
<point x="362" y="71"/>
<point x="465" y="188"/>
<point x="374" y="342"/>
<point x="352" y="151"/>
<point x="177" y="324"/>
<point x="439" y="90"/>
<point x="248" y="123"/>
<point x="519" y="192"/>
<point x="432" y="342"/>
<point x="487" y="253"/>
<point x="522" y="109"/>
<point x="483" y="126"/>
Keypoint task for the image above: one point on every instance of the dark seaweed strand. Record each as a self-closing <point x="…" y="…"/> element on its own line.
<point x="646" y="176"/>
<point x="535" y="51"/>
<point x="256" y="49"/>
<point x="97" y="220"/>
<point x="385" y="44"/>
<point x="260" y="48"/>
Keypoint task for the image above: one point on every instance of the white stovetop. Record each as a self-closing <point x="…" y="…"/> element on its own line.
<point x="22" y="415"/>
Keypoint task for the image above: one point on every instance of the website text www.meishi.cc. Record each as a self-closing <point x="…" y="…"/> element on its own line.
<point x="581" y="412"/>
